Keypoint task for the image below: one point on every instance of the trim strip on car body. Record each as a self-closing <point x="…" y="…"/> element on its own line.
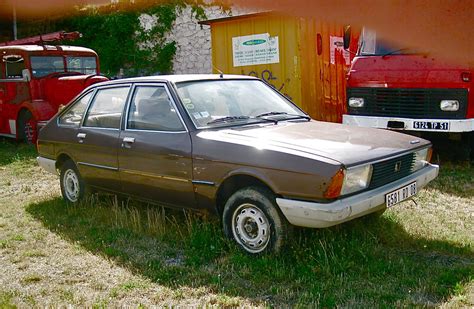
<point x="99" y="166"/>
<point x="140" y="173"/>
<point x="203" y="182"/>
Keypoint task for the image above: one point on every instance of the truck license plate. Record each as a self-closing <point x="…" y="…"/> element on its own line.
<point x="431" y="125"/>
<point x="400" y="195"/>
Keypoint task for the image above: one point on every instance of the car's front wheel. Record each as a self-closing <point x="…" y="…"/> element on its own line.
<point x="73" y="187"/>
<point x="252" y="219"/>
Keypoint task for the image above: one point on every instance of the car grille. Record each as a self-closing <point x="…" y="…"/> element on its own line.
<point x="390" y="170"/>
<point x="407" y="102"/>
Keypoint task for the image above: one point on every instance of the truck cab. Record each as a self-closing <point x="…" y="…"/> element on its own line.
<point x="36" y="80"/>
<point x="405" y="89"/>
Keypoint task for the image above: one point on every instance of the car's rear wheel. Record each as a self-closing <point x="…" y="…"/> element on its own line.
<point x="251" y="217"/>
<point x="73" y="187"/>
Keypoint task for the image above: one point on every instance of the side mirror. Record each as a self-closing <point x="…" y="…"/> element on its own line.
<point x="25" y="73"/>
<point x="347" y="36"/>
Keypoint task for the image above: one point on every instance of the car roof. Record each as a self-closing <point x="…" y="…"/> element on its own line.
<point x="186" y="77"/>
<point x="174" y="78"/>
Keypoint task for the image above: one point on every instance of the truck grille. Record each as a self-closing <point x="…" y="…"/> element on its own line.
<point x="390" y="170"/>
<point x="407" y="102"/>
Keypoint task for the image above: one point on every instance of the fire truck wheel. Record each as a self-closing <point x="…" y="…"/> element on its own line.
<point x="28" y="127"/>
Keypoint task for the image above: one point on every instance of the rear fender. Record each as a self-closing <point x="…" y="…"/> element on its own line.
<point x="41" y="110"/>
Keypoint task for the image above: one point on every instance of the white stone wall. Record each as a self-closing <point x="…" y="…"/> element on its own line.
<point x="193" y="41"/>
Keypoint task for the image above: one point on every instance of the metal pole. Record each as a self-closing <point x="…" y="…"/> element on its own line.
<point x="14" y="23"/>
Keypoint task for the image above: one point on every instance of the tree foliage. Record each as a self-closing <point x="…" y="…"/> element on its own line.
<point x="114" y="32"/>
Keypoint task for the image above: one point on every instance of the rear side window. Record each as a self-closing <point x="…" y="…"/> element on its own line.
<point x="74" y="115"/>
<point x="106" y="108"/>
<point x="152" y="109"/>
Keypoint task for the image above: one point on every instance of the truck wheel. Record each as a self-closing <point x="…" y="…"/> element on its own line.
<point x="251" y="217"/>
<point x="73" y="187"/>
<point x="28" y="128"/>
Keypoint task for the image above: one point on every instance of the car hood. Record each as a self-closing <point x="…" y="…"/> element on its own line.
<point x="345" y="144"/>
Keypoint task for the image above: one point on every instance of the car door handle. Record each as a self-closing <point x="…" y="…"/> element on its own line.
<point x="127" y="141"/>
<point x="81" y="137"/>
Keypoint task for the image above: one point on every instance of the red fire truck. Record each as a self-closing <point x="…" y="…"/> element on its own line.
<point x="403" y="89"/>
<point x="36" y="79"/>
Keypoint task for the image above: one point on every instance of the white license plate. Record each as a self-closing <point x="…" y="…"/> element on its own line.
<point x="431" y="125"/>
<point x="400" y="195"/>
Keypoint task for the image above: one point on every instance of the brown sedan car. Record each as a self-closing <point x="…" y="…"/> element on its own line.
<point x="233" y="145"/>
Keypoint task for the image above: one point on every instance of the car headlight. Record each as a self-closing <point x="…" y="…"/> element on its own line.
<point x="449" y="105"/>
<point x="356" y="179"/>
<point x="422" y="158"/>
<point x="356" y="102"/>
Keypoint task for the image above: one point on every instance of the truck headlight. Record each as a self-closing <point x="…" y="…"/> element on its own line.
<point x="422" y="158"/>
<point x="356" y="102"/>
<point x="449" y="105"/>
<point x="356" y="179"/>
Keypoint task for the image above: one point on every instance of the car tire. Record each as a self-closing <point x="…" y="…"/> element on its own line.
<point x="252" y="218"/>
<point x="73" y="187"/>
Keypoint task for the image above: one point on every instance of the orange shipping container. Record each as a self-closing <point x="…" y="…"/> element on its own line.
<point x="302" y="58"/>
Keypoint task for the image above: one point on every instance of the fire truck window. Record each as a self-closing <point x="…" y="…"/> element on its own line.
<point x="44" y="65"/>
<point x="106" y="108"/>
<point x="74" y="115"/>
<point x="84" y="65"/>
<point x="14" y="66"/>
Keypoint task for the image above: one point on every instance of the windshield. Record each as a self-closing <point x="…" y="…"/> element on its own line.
<point x="44" y="65"/>
<point x="221" y="102"/>
<point x="371" y="45"/>
<point x="84" y="65"/>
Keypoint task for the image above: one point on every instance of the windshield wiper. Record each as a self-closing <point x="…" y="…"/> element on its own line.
<point x="228" y="119"/>
<point x="293" y="116"/>
<point x="393" y="52"/>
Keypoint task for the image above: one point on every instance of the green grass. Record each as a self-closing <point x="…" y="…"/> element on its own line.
<point x="11" y="151"/>
<point x="365" y="262"/>
<point x="411" y="256"/>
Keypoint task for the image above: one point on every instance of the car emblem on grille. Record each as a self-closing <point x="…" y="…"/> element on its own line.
<point x="398" y="166"/>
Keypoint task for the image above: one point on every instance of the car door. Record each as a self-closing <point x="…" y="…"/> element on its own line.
<point x="155" y="148"/>
<point x="97" y="140"/>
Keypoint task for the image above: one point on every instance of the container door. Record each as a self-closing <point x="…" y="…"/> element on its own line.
<point x="155" y="149"/>
<point x="97" y="141"/>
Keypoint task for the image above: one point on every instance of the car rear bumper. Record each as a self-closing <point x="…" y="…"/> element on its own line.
<point x="454" y="125"/>
<point x="47" y="164"/>
<point x="320" y="215"/>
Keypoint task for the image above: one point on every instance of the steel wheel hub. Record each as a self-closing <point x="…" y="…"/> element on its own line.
<point x="71" y="185"/>
<point x="251" y="228"/>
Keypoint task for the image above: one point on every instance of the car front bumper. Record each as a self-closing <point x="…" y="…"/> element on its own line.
<point x="320" y="215"/>
<point x="454" y="125"/>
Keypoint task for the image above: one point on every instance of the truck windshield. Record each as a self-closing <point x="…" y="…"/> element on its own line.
<point x="371" y="45"/>
<point x="44" y="65"/>
<point x="84" y="65"/>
